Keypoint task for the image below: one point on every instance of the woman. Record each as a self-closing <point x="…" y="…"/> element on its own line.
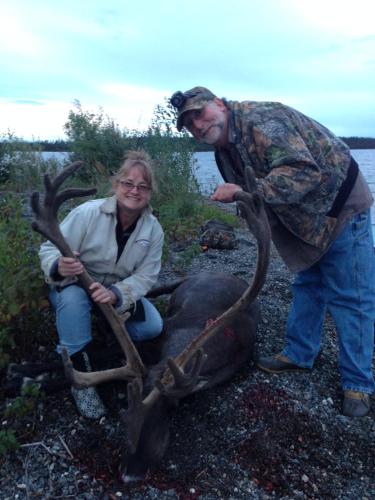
<point x="119" y="242"/>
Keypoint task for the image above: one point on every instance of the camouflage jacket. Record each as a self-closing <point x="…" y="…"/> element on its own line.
<point x="299" y="165"/>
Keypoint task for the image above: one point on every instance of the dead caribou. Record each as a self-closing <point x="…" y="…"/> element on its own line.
<point x="210" y="333"/>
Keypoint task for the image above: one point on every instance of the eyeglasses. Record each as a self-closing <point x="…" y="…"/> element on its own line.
<point x="129" y="186"/>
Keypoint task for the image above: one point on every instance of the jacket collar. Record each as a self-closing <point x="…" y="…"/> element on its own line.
<point x="234" y="131"/>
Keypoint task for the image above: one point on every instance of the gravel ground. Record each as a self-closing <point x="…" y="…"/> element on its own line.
<point x="258" y="436"/>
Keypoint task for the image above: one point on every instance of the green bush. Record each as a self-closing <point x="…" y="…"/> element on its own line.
<point x="8" y="442"/>
<point x="208" y="212"/>
<point x="17" y="412"/>
<point x="22" y="165"/>
<point x="25" y="403"/>
<point x="97" y="141"/>
<point x="22" y="289"/>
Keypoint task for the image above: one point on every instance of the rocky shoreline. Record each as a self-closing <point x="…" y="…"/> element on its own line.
<point x="258" y="436"/>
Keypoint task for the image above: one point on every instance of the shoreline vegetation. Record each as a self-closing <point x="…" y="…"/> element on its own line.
<point x="61" y="145"/>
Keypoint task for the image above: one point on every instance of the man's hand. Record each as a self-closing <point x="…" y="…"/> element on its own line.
<point x="225" y="192"/>
<point x="68" y="266"/>
<point x="101" y="294"/>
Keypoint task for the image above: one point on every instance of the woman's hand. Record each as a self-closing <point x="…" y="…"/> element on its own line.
<point x="101" y="294"/>
<point x="69" y="266"/>
<point x="225" y="192"/>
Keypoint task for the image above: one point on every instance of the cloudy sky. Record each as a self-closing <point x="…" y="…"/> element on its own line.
<point x="126" y="56"/>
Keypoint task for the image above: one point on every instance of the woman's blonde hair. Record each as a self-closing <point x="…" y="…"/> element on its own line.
<point x="141" y="160"/>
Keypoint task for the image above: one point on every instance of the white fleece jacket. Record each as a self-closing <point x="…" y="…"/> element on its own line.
<point x="90" y="229"/>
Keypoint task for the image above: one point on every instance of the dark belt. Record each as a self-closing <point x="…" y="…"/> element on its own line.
<point x="345" y="189"/>
<point x="137" y="312"/>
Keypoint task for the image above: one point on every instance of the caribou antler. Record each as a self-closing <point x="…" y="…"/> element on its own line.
<point x="183" y="382"/>
<point x="175" y="383"/>
<point x="180" y="384"/>
<point x="252" y="210"/>
<point x="46" y="223"/>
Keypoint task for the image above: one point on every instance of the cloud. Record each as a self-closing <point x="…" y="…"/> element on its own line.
<point x="26" y="101"/>
<point x="336" y="18"/>
<point x="17" y="38"/>
<point x="127" y="56"/>
<point x="35" y="119"/>
<point x="131" y="106"/>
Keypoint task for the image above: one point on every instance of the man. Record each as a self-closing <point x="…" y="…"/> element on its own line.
<point x="318" y="205"/>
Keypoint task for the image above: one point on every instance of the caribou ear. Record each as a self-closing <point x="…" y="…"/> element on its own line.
<point x="134" y="417"/>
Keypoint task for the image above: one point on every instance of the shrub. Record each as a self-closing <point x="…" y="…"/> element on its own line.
<point x="97" y="141"/>
<point x="25" y="403"/>
<point x="22" y="165"/>
<point x="17" y="412"/>
<point x="22" y="289"/>
<point x="8" y="442"/>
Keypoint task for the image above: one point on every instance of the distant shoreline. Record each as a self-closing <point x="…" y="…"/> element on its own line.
<point x="352" y="142"/>
<point x="63" y="146"/>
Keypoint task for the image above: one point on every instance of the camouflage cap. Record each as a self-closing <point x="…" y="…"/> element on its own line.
<point x="194" y="98"/>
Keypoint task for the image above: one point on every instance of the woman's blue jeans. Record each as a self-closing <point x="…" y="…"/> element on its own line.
<point x="343" y="283"/>
<point x="73" y="309"/>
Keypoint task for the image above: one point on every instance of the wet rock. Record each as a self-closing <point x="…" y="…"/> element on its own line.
<point x="218" y="235"/>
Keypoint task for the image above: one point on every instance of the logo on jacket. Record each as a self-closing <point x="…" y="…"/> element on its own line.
<point x="143" y="243"/>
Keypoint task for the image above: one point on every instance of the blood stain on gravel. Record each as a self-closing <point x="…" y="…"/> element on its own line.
<point x="182" y="488"/>
<point x="288" y="449"/>
<point x="97" y="456"/>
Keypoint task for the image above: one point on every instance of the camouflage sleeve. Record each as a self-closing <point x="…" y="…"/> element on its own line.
<point x="291" y="171"/>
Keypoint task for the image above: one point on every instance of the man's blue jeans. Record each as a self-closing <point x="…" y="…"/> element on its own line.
<point x="343" y="283"/>
<point x="73" y="319"/>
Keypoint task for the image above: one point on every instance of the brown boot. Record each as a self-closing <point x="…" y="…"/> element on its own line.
<point x="278" y="364"/>
<point x="355" y="404"/>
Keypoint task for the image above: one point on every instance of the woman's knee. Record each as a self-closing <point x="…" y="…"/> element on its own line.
<point x="140" y="330"/>
<point x="72" y="298"/>
<point x="148" y="329"/>
<point x="73" y="317"/>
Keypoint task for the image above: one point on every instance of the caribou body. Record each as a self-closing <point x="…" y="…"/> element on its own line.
<point x="193" y="305"/>
<point x="210" y="330"/>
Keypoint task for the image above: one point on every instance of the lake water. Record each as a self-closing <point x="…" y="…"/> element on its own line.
<point x="209" y="177"/>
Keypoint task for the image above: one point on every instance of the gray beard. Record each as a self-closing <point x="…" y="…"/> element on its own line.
<point x="203" y="141"/>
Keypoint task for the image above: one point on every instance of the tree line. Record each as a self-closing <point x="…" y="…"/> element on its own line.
<point x="61" y="145"/>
